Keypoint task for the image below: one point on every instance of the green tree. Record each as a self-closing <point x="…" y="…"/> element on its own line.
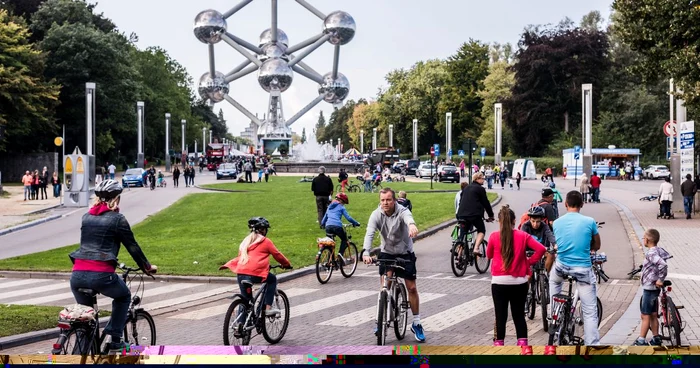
<point x="62" y="12"/>
<point x="22" y="8"/>
<point x="497" y="87"/>
<point x="303" y="136"/>
<point x="592" y="21"/>
<point x="320" y="126"/>
<point x="27" y="101"/>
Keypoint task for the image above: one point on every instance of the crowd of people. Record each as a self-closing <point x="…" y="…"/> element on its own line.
<point x="35" y="184"/>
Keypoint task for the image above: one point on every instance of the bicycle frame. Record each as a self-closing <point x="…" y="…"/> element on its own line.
<point x="565" y="304"/>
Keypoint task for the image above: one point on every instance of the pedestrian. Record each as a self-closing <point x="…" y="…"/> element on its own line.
<point x="44" y="182"/>
<point x="260" y="174"/>
<point x="548" y="172"/>
<point x="56" y="182"/>
<point x="510" y="183"/>
<point x="322" y="186"/>
<point x="402" y="200"/>
<point x="584" y="187"/>
<point x="518" y="177"/>
<point x="248" y="167"/>
<point x="343" y="179"/>
<point x="654" y="272"/>
<point x="368" y="180"/>
<point x="595" y="187"/>
<point x="458" y="196"/>
<point x="461" y="168"/>
<point x="509" y="276"/>
<point x="272" y="170"/>
<point x="266" y="171"/>
<point x="111" y="169"/>
<point x="186" y="174"/>
<point x="688" y="189"/>
<point x="35" y="185"/>
<point x="192" y="172"/>
<point x="27" y="182"/>
<point x="666" y="197"/>
<point x="176" y="176"/>
<point x="489" y="174"/>
<point x="503" y="177"/>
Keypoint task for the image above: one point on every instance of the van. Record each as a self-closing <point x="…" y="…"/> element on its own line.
<point x="412" y="166"/>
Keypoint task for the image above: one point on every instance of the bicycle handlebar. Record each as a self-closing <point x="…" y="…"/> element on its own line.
<point x="280" y="266"/>
<point x="128" y="270"/>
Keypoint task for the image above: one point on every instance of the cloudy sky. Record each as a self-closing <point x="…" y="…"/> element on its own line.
<point x="391" y="34"/>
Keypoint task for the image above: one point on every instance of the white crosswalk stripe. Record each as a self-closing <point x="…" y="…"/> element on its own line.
<point x="458" y="314"/>
<point x="52" y="288"/>
<point x="186" y="298"/>
<point x="329" y="302"/>
<point x="221" y="309"/>
<point x="10" y="283"/>
<point x="369" y="314"/>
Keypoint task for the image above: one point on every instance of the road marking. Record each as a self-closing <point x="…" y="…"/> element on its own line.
<point x="9" y="284"/>
<point x="432" y="276"/>
<point x="533" y="325"/>
<point x="458" y="314"/>
<point x="368" y="273"/>
<point x="223" y="308"/>
<point x="368" y="314"/>
<point x="55" y="284"/>
<point x="672" y="276"/>
<point x="187" y="298"/>
<point x="614" y="282"/>
<point x="606" y="320"/>
<point x="329" y="302"/>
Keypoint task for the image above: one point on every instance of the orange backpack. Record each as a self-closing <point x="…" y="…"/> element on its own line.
<point x="525" y="217"/>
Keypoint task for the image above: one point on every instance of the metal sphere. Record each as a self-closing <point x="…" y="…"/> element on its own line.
<point x="209" y="25"/>
<point x="341" y="26"/>
<point x="266" y="37"/>
<point x="273" y="51"/>
<point x="334" y="91"/>
<point x="213" y="88"/>
<point x="275" y="74"/>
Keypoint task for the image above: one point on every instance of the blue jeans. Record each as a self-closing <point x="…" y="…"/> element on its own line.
<point x="57" y="190"/>
<point x="107" y="284"/>
<point x="595" y="194"/>
<point x="489" y="182"/>
<point x="27" y="192"/>
<point x="111" y="176"/>
<point x="270" y="289"/>
<point x="340" y="232"/>
<point x="586" y="285"/>
<point x="688" y="205"/>
<point x="368" y="185"/>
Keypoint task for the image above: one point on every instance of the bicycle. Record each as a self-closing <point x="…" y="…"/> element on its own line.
<point x="246" y="314"/>
<point x="671" y="324"/>
<point x="327" y="260"/>
<point x="376" y="186"/>
<point x="81" y="336"/>
<point x="538" y="291"/>
<point x="649" y="198"/>
<point x="349" y="187"/>
<point x="393" y="304"/>
<point x="460" y="261"/>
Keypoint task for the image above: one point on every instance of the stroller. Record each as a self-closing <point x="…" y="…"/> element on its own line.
<point x="161" y="180"/>
<point x="661" y="214"/>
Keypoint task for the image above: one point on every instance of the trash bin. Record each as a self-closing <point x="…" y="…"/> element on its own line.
<point x="638" y="174"/>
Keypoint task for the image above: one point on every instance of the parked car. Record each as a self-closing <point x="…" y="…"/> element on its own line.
<point x="426" y="170"/>
<point x="226" y="171"/>
<point x="656" y="171"/>
<point x="412" y="166"/>
<point x="448" y="172"/>
<point x="134" y="177"/>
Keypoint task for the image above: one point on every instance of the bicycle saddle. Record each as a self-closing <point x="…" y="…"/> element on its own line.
<point x="332" y="236"/>
<point x="247" y="283"/>
<point x="667" y="282"/>
<point x="89" y="292"/>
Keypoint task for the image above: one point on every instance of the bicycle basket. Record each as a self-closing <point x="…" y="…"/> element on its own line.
<point x="326" y="241"/>
<point x="77" y="312"/>
<point x="599" y="258"/>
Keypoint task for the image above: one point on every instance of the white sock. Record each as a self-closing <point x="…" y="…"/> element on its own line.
<point x="416" y="319"/>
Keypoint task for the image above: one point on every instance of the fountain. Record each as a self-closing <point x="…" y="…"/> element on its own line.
<point x="312" y="151"/>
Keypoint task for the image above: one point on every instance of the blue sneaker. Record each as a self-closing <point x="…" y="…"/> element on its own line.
<point x="418" y="332"/>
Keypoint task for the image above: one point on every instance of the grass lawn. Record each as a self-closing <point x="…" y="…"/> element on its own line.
<point x="202" y="231"/>
<point x="17" y="319"/>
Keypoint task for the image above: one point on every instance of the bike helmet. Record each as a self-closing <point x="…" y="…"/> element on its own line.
<point x="258" y="223"/>
<point x="342" y="197"/>
<point x="552" y="185"/>
<point x="108" y="189"/>
<point x="536" y="211"/>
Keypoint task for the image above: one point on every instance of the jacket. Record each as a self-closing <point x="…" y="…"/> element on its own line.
<point x="595" y="181"/>
<point x="334" y="215"/>
<point x="584" y="184"/>
<point x="666" y="192"/>
<point x="543" y="235"/>
<point x="322" y="185"/>
<point x="258" y="260"/>
<point x="688" y="188"/>
<point x="101" y="237"/>
<point x="393" y="230"/>
<point x="654" y="268"/>
<point x="405" y="202"/>
<point x="474" y="202"/>
<point x="521" y="264"/>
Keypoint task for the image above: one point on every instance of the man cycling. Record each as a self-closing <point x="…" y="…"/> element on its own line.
<point x="576" y="236"/>
<point x="472" y="204"/>
<point x="396" y="227"/>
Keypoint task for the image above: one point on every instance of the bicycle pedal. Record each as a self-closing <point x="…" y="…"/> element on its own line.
<point x="679" y="307"/>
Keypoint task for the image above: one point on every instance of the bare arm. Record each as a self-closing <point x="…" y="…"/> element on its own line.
<point x="595" y="243"/>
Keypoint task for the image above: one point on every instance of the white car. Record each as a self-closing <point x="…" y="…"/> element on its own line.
<point x="656" y="172"/>
<point x="426" y="170"/>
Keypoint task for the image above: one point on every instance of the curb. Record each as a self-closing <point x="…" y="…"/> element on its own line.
<point x="29" y="224"/>
<point x="41" y="210"/>
<point x="36" y="336"/>
<point x="222" y="190"/>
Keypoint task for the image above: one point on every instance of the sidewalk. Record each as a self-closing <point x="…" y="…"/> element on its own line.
<point x="14" y="210"/>
<point x="679" y="237"/>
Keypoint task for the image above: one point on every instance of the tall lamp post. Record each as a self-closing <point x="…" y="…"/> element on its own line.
<point x="415" y="139"/>
<point x="374" y="139"/>
<point x="184" y="155"/>
<point x="167" y="142"/>
<point x="391" y="135"/>
<point x="362" y="141"/>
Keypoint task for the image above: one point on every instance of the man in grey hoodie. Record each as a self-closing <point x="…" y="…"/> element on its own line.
<point x="396" y="226"/>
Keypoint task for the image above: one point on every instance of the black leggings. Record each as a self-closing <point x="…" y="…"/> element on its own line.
<point x="515" y="295"/>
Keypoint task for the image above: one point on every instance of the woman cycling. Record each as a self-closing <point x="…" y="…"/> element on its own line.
<point x="539" y="230"/>
<point x="253" y="264"/>
<point x="102" y="232"/>
<point x="333" y="221"/>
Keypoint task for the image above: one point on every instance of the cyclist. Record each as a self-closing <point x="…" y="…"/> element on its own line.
<point x="343" y="179"/>
<point x="160" y="178"/>
<point x="102" y="232"/>
<point x="547" y="203"/>
<point x="539" y="230"/>
<point x="396" y="227"/>
<point x="253" y="262"/>
<point x="471" y="209"/>
<point x="576" y="236"/>
<point x="333" y="221"/>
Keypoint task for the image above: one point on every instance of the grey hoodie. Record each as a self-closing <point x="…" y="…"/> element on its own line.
<point x="654" y="268"/>
<point x="393" y="230"/>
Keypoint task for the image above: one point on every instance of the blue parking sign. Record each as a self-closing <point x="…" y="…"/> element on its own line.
<point x="436" y="147"/>
<point x="577" y="149"/>
<point x="483" y="152"/>
<point x="577" y="156"/>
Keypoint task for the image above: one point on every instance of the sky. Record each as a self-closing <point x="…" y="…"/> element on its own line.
<point x="391" y="34"/>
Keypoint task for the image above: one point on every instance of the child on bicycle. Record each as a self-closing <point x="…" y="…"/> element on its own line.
<point x="333" y="221"/>
<point x="253" y="262"/>
<point x="160" y="178"/>
<point x="653" y="275"/>
<point x="541" y="232"/>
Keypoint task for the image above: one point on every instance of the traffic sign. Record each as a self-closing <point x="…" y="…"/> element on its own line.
<point x="577" y="149"/>
<point x="436" y="147"/>
<point x="577" y="156"/>
<point x="670" y="128"/>
<point x="460" y="153"/>
<point x="449" y="153"/>
<point x="483" y="152"/>
<point x="432" y="151"/>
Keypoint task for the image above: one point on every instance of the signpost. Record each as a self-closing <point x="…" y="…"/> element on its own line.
<point x="433" y="151"/>
<point x="687" y="149"/>
<point x="483" y="152"/>
<point x="670" y="129"/>
<point x="577" y="156"/>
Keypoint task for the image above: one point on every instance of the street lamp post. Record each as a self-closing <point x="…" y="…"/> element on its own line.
<point x="391" y="135"/>
<point x="362" y="141"/>
<point x="210" y="135"/>
<point x="167" y="142"/>
<point x="498" y="116"/>
<point x="415" y="138"/>
<point x="374" y="139"/>
<point x="139" y="117"/>
<point x="184" y="155"/>
<point x="448" y="133"/>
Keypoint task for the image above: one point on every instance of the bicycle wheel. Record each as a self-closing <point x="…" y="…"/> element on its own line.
<point x="599" y="305"/>
<point x="141" y="330"/>
<point x="544" y="302"/>
<point x="78" y="342"/>
<point x="482" y="262"/>
<point x="400" y="311"/>
<point x="275" y="327"/>
<point x="324" y="265"/>
<point x="531" y="300"/>
<point x="459" y="266"/>
<point x="350" y="255"/>
<point x="355" y="188"/>
<point x="674" y="323"/>
<point x="338" y="188"/>
<point x="381" y="318"/>
<point x="234" y="331"/>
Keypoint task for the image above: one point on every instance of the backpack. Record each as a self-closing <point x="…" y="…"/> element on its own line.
<point x="525" y="217"/>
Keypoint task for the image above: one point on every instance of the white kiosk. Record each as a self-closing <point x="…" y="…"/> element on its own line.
<point x="525" y="167"/>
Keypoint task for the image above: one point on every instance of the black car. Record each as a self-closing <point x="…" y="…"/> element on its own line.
<point x="412" y="166"/>
<point x="448" y="173"/>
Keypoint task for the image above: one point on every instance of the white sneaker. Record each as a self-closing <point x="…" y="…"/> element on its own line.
<point x="272" y="312"/>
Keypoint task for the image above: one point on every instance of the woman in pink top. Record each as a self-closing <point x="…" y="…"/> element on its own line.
<point x="509" y="273"/>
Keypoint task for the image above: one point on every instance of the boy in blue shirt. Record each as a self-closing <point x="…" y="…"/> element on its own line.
<point x="333" y="221"/>
<point x="654" y="272"/>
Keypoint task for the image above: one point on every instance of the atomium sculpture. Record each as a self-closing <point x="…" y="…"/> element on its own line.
<point x="274" y="60"/>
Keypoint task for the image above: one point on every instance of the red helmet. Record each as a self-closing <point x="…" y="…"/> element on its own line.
<point x="342" y="197"/>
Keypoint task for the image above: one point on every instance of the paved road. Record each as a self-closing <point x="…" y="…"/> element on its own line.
<point x="453" y="311"/>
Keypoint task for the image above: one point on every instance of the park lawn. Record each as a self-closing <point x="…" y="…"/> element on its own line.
<point x="18" y="319"/>
<point x="202" y="231"/>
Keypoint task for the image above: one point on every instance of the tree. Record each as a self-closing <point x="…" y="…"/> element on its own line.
<point x="592" y="21"/>
<point x="497" y="87"/>
<point x="62" y="12"/>
<point x="27" y="101"/>
<point x="21" y="8"/>
<point x="320" y="126"/>
<point x="302" y="139"/>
